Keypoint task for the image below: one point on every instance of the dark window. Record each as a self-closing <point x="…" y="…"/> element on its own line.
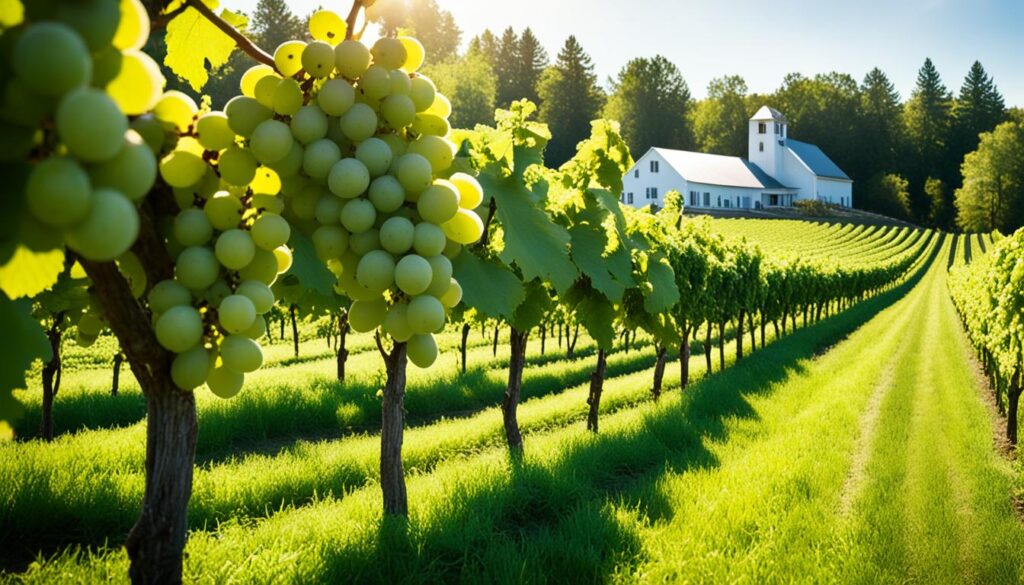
<point x="629" y="198"/>
<point x="719" y="201"/>
<point x="777" y="128"/>
<point x="636" y="173"/>
<point x="707" y="199"/>
<point x="760" y="146"/>
<point x="762" y="128"/>
<point x="654" y="166"/>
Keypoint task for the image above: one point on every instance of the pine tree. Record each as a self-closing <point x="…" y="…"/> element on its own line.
<point x="880" y="123"/>
<point x="570" y="99"/>
<point x="650" y="100"/>
<point x="928" y="120"/>
<point x="274" y="23"/>
<point x="485" y="44"/>
<point x="531" y="60"/>
<point x="979" y="108"/>
<point x="505" y="66"/>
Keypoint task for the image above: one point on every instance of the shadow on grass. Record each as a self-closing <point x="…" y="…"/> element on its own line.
<point x="550" y="520"/>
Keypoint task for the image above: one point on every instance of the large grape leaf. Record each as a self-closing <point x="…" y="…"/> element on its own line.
<point x="307" y="269"/>
<point x="534" y="307"/>
<point x="68" y="295"/>
<point x="534" y="243"/>
<point x="488" y="286"/>
<point x="193" y="42"/>
<point x="663" y="293"/>
<point x="22" y="341"/>
<point x="588" y="247"/>
<point x="29" y="273"/>
<point x="595" y="312"/>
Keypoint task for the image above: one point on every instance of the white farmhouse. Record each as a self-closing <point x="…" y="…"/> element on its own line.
<point x="778" y="171"/>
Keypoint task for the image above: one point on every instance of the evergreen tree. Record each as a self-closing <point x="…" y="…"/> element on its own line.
<point x="979" y="108"/>
<point x="274" y="23"/>
<point x="720" y="121"/>
<point x="940" y="210"/>
<point x="650" y="99"/>
<point x="486" y="44"/>
<point x="881" y="123"/>
<point x="506" y="67"/>
<point x="531" y="60"/>
<point x="928" y="119"/>
<point x="570" y="99"/>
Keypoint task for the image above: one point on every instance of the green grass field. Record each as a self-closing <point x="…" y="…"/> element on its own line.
<point x="858" y="449"/>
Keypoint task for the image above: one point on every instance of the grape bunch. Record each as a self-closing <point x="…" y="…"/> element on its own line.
<point x="71" y="74"/>
<point x="359" y="141"/>
<point x="228" y="242"/>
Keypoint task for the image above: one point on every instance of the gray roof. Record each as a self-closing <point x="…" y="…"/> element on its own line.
<point x="716" y="169"/>
<point x="819" y="163"/>
<point x="768" y="113"/>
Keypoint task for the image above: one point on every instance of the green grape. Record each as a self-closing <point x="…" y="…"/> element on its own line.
<point x="375" y="82"/>
<point x="376" y="155"/>
<point x="258" y="329"/>
<point x="413" y="274"/>
<point x="95" y="20"/>
<point x="309" y="124"/>
<point x="328" y="210"/>
<point x="266" y="182"/>
<point x="270" y="231"/>
<point x="386" y="194"/>
<point x="224" y="211"/>
<point x="213" y="131"/>
<point x="217" y="292"/>
<point x="318" y="59"/>
<point x="133" y="28"/>
<point x="400" y="83"/>
<point x="471" y="194"/>
<point x="365" y="316"/>
<point x="422" y="91"/>
<point x="85" y="340"/>
<point x="224" y="382"/>
<point x="265" y="89"/>
<point x="452" y="249"/>
<point x="271" y="141"/>
<point x="235" y="249"/>
<point x="439" y="202"/>
<point x="320" y="157"/>
<point x="453" y="295"/>
<point x="131" y="268"/>
<point x="90" y="325"/>
<point x="91" y="125"/>
<point x="106" y="64"/>
<point x="182" y="169"/>
<point x="398" y="110"/>
<point x="389" y="53"/>
<point x="259" y="293"/>
<point x="348" y="178"/>
<point x="288" y="57"/>
<point x="350" y="286"/>
<point x="351" y="59"/>
<point x="288" y="97"/>
<point x="241" y="354"/>
<point x="58" y="192"/>
<point x="397" y="235"/>
<point x="151" y="131"/>
<point x="396" y="322"/>
<point x="166" y="294"/>
<point x="252" y="76"/>
<point x="430" y="125"/>
<point x="304" y="204"/>
<point x="364" y="242"/>
<point x="245" y="114"/>
<point x="429" y="240"/>
<point x="414" y="173"/>
<point x="439" y="151"/>
<point x="358" y="215"/>
<point x="138" y="84"/>
<point x="176" y="110"/>
<point x="196" y="268"/>
<point x="284" y="259"/>
<point x="359" y="122"/>
<point x="23" y="106"/>
<point x="192" y="228"/>
<point x="263" y="267"/>
<point x="180" y="328"/>
<point x="336" y="97"/>
<point x="51" y="59"/>
<point x="422" y="350"/>
<point x="291" y="164"/>
<point x="236" y="313"/>
<point x="269" y="203"/>
<point x="109" y="230"/>
<point x="132" y="171"/>
<point x="237" y="166"/>
<point x="376" y="271"/>
<point x="329" y="241"/>
<point x="441" y="107"/>
<point x="189" y="369"/>
<point x="397" y="144"/>
<point x="426" y="314"/>
<point x="440" y="275"/>
<point x="414" y="53"/>
<point x="465" y="228"/>
<point x="325" y="25"/>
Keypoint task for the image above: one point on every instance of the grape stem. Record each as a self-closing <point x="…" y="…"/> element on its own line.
<point x="243" y="42"/>
<point x="487" y="225"/>
<point x="353" y="14"/>
<point x="380" y="346"/>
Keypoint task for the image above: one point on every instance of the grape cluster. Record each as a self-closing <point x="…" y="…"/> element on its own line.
<point x="228" y="244"/>
<point x="359" y="141"/>
<point x="71" y="74"/>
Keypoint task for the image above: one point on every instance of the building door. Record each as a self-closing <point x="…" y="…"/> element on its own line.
<point x="773" y="199"/>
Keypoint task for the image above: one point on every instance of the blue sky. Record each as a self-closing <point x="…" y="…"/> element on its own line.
<point x="763" y="40"/>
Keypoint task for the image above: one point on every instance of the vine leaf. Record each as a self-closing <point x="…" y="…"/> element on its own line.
<point x="663" y="293"/>
<point x="488" y="286"/>
<point x="29" y="273"/>
<point x="307" y="269"/>
<point x="193" y="42"/>
<point x="23" y="342"/>
<point x="595" y="312"/>
<point x="534" y="307"/>
<point x="588" y="250"/>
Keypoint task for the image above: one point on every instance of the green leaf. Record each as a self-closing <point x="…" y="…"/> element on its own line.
<point x="588" y="246"/>
<point x="193" y="42"/>
<point x="29" y="273"/>
<point x="487" y="286"/>
<point x="595" y="312"/>
<point x="22" y="342"/>
<point x="68" y="295"/>
<point x="663" y="293"/>
<point x="534" y="307"/>
<point x="310" y="272"/>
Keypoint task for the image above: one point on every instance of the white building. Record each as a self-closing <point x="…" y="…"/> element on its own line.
<point x="777" y="172"/>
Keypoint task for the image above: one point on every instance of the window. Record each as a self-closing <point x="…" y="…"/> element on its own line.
<point x="652" y="192"/>
<point x="636" y="173"/>
<point x="760" y="146"/>
<point x="654" y="166"/>
<point x="707" y="199"/>
<point x="719" y="201"/>
<point x="737" y="201"/>
<point x="629" y="198"/>
<point x="762" y="128"/>
<point x="777" y="128"/>
<point x="694" y="199"/>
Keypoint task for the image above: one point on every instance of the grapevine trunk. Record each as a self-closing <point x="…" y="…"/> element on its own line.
<point x="596" y="387"/>
<point x="392" y="476"/>
<point x="510" y="403"/>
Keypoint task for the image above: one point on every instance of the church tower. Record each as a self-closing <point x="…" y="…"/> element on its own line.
<point x="766" y="143"/>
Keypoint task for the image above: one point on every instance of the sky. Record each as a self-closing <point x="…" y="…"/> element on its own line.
<point x="764" y="40"/>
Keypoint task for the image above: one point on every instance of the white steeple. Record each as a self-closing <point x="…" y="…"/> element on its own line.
<point x="767" y="140"/>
